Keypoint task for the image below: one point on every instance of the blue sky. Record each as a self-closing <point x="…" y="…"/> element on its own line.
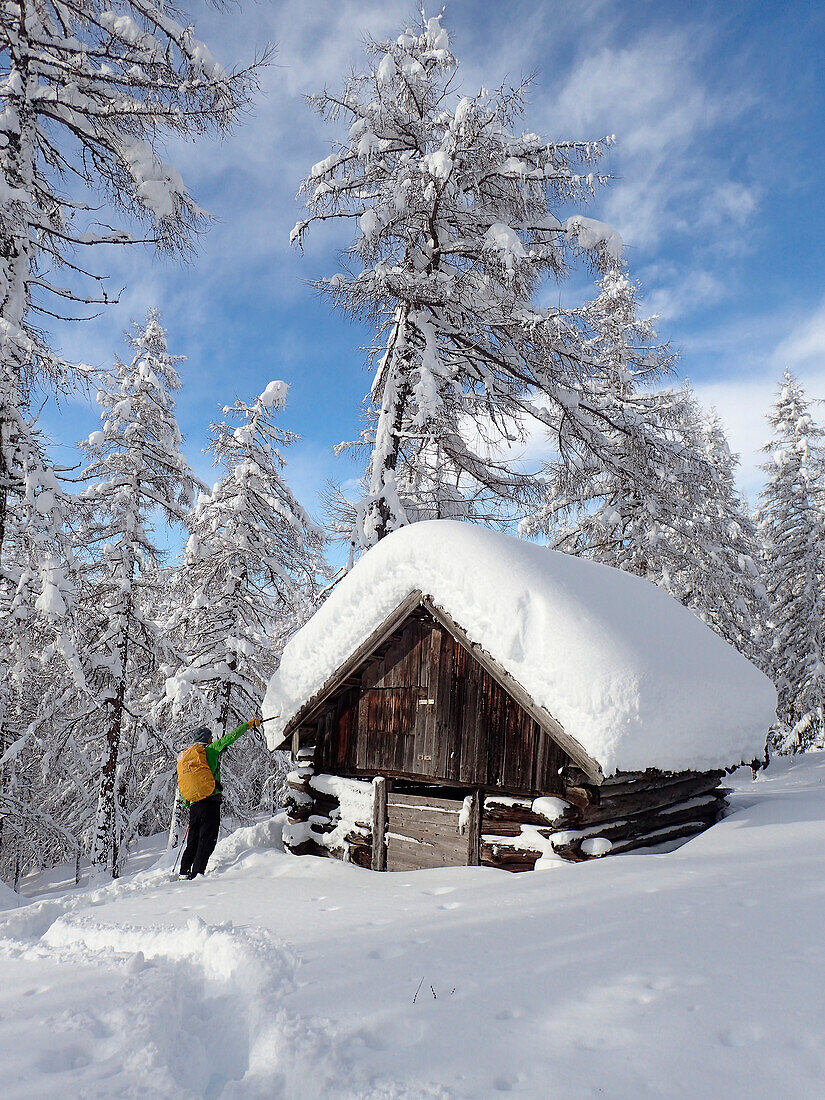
<point x="719" y="115"/>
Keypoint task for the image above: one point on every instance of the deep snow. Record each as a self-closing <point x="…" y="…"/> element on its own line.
<point x="693" y="973"/>
<point x="632" y="675"/>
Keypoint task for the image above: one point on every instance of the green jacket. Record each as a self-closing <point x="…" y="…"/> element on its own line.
<point x="213" y="756"/>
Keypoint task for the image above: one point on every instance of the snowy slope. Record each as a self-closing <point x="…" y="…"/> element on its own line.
<point x="696" y="973"/>
<point x="632" y="675"/>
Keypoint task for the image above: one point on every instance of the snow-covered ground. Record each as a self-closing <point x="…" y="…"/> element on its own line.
<point x="694" y="973"/>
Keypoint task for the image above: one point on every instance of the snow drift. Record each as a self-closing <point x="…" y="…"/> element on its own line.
<point x="632" y="675"/>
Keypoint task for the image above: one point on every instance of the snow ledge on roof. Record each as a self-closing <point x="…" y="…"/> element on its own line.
<point x="632" y="675"/>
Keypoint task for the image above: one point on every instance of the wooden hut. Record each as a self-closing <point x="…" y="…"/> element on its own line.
<point x="452" y="704"/>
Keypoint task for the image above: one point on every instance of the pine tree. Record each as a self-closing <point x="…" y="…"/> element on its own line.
<point x="250" y="577"/>
<point x="791" y="526"/>
<point x="87" y="90"/>
<point x="456" y="230"/>
<point x="136" y="470"/>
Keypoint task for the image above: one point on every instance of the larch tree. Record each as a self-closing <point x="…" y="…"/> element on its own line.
<point x="136" y="472"/>
<point x="88" y="91"/>
<point x="250" y="577"/>
<point x="642" y="480"/>
<point x="88" y="88"/>
<point x="604" y="488"/>
<point x="716" y="571"/>
<point x="456" y="225"/>
<point x="791" y="526"/>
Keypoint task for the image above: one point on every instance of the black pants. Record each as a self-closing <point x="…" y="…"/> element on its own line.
<point x="204" y="822"/>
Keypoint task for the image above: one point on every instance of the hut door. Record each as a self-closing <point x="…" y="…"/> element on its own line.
<point x="395" y="705"/>
<point x="424" y="832"/>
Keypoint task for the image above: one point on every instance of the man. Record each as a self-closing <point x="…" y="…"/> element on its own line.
<point x="205" y="813"/>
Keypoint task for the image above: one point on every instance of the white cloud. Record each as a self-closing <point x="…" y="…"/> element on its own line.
<point x="678" y="291"/>
<point x="650" y="93"/>
<point x="806" y="342"/>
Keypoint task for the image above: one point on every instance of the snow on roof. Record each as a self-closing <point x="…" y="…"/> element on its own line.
<point x="628" y="672"/>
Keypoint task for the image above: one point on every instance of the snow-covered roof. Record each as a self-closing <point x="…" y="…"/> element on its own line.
<point x="635" y="678"/>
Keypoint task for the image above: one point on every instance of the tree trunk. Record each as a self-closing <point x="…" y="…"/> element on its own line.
<point x="104" y="846"/>
<point x="384" y="514"/>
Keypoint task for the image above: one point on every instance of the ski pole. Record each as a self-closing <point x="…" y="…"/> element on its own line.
<point x="180" y="850"/>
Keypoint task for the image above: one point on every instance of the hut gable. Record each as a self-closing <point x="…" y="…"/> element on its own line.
<point x="422" y="702"/>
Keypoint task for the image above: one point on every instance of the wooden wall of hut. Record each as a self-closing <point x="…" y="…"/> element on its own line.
<point x="423" y="708"/>
<point x="420" y="827"/>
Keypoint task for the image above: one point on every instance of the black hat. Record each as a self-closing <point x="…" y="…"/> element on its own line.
<point x="202" y="735"/>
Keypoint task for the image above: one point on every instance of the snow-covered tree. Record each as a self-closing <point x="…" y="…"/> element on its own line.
<point x="87" y="89"/>
<point x="36" y="592"/>
<point x="250" y="577"/>
<point x="136" y="471"/>
<point x="456" y="228"/>
<point x="642" y="480"/>
<point x="605" y="488"/>
<point x="715" y="571"/>
<point x="791" y="526"/>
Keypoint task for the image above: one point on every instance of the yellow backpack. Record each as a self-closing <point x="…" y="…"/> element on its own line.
<point x="195" y="777"/>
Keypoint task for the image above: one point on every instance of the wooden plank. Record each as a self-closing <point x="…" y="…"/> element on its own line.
<point x="572" y="747"/>
<point x="474" y="831"/>
<point x="424" y="801"/>
<point x="424" y="815"/>
<point x="439" y="833"/>
<point x="434" y="839"/>
<point x="426" y="735"/>
<point x="390" y="624"/>
<point x="406" y="854"/>
<point x="379" y="823"/>
<point x="444" y="748"/>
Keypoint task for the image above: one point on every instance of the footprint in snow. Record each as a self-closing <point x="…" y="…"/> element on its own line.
<point x="393" y="1034"/>
<point x="63" y="1059"/>
<point x="436" y="891"/>
<point x="450" y="905"/>
<point x="741" y="1035"/>
<point x="394" y="951"/>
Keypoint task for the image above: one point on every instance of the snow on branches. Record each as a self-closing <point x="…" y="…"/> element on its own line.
<point x="250" y="577"/>
<point x="456" y="220"/>
<point x="643" y="480"/>
<point x="87" y="91"/>
<point x="135" y="471"/>
<point x="791" y="525"/>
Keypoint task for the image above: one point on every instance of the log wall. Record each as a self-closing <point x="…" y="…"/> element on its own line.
<point x="419" y="828"/>
<point x="628" y="811"/>
<point x="320" y="822"/>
